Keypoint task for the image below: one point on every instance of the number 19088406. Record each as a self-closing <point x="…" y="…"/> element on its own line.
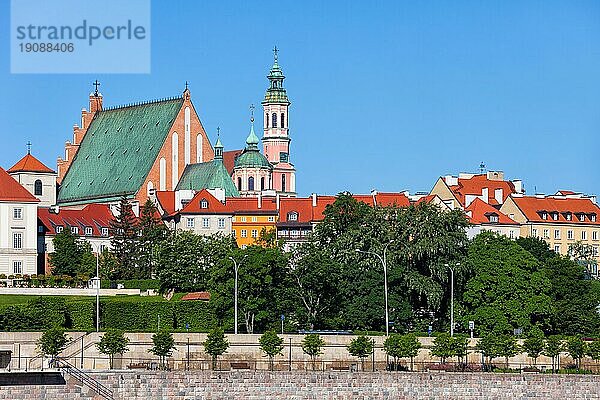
<point x="46" y="47"/>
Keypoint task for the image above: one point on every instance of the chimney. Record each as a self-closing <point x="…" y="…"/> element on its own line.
<point x="374" y="195"/>
<point x="259" y="200"/>
<point x="518" y="185"/>
<point x="499" y="195"/>
<point x="314" y="199"/>
<point x="277" y="201"/>
<point x="485" y="194"/>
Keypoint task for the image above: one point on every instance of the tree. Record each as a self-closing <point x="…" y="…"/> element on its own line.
<point x="507" y="290"/>
<point x="312" y="345"/>
<point x="361" y="346"/>
<point x="576" y="348"/>
<point x="534" y="344"/>
<point x="152" y="232"/>
<point x="52" y="342"/>
<point x="508" y="347"/>
<point x="111" y="343"/>
<point x="488" y="346"/>
<point x="443" y="347"/>
<point x="593" y="350"/>
<point x="271" y="344"/>
<point x="538" y="248"/>
<point x="554" y="346"/>
<point x="460" y="347"/>
<point x="164" y="344"/>
<point x="71" y="255"/>
<point x="402" y="346"/>
<point x="215" y="345"/>
<point x="124" y="240"/>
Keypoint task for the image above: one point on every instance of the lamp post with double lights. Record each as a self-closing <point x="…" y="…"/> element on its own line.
<point x="383" y="259"/>
<point x="235" y="295"/>
<point x="451" y="297"/>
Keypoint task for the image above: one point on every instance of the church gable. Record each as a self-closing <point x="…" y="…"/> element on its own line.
<point x="118" y="151"/>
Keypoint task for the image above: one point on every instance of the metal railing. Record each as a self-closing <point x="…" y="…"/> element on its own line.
<point x="84" y="378"/>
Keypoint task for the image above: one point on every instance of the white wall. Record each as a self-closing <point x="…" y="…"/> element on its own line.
<point x="28" y="227"/>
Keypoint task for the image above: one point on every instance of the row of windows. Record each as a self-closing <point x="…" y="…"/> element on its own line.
<point x="253" y="219"/>
<point x="568" y="216"/>
<point x="570" y="234"/>
<point x="75" y="230"/>
<point x="191" y="223"/>
<point x="274" y="120"/>
<point x="595" y="250"/>
<point x="251" y="183"/>
<point x="244" y="233"/>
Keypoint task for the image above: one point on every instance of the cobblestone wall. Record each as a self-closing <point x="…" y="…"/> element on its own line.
<point x="328" y="385"/>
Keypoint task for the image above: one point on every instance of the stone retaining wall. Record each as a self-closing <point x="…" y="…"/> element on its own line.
<point x="329" y="385"/>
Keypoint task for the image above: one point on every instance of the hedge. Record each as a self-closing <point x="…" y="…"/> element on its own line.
<point x="133" y="316"/>
<point x="142" y="284"/>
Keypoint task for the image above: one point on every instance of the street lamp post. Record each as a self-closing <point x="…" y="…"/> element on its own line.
<point x="97" y="282"/>
<point x="385" y="288"/>
<point x="451" y="298"/>
<point x="235" y="295"/>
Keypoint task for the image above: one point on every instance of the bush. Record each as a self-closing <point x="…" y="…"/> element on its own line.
<point x="142" y="284"/>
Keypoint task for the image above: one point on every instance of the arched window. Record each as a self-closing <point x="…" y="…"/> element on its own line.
<point x="282" y="120"/>
<point x="267" y="120"/>
<point x="187" y="150"/>
<point x="199" y="148"/>
<point x="37" y="188"/>
<point x="175" y="161"/>
<point x="283" y="183"/>
<point x="150" y="188"/>
<point x="162" y="184"/>
<point x="239" y="183"/>
<point x="292" y="216"/>
<point x="262" y="183"/>
<point x="204" y="203"/>
<point x="251" y="183"/>
<point x="274" y="120"/>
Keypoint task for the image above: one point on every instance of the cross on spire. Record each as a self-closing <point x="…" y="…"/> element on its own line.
<point x="218" y="131"/>
<point x="275" y="51"/>
<point x="252" y="112"/>
<point x="96" y="84"/>
<point x="186" y="85"/>
<point x="29" y="147"/>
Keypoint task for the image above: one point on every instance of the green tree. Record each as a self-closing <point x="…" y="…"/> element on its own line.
<point x="52" y="342"/>
<point x="361" y="346"/>
<point x="271" y="344"/>
<point x="215" y="345"/>
<point x="152" y="232"/>
<point x="460" y="347"/>
<point x="402" y="346"/>
<point x="554" y="346"/>
<point x="538" y="247"/>
<point x="488" y="346"/>
<point x="71" y="255"/>
<point x="576" y="348"/>
<point x="124" y="240"/>
<point x="111" y="343"/>
<point x="593" y="350"/>
<point x="312" y="345"/>
<point x="507" y="290"/>
<point x="508" y="347"/>
<point x="534" y="344"/>
<point x="443" y="347"/>
<point x="163" y="346"/>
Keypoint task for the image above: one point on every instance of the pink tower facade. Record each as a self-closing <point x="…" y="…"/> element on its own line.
<point x="276" y="137"/>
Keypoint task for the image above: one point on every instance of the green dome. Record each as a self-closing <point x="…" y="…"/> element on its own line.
<point x="252" y="159"/>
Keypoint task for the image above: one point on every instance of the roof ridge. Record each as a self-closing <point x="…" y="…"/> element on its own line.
<point x="142" y="103"/>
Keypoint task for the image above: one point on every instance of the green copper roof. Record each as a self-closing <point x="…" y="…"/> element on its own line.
<point x="118" y="150"/>
<point x="276" y="92"/>
<point x="252" y="158"/>
<point x="208" y="175"/>
<point x="252" y="139"/>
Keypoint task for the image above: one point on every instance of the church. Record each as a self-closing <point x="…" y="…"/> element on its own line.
<point x="139" y="149"/>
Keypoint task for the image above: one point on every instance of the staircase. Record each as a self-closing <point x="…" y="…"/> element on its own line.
<point x="84" y="378"/>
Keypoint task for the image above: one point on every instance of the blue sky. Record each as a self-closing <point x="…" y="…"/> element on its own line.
<point x="387" y="95"/>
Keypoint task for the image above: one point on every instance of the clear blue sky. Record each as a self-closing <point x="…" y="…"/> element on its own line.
<point x="387" y="95"/>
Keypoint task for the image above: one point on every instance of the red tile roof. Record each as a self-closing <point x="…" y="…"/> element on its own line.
<point x="11" y="190"/>
<point x="166" y="200"/>
<point x="95" y="216"/>
<point x="241" y="205"/>
<point x="475" y="185"/>
<point x="194" y="206"/>
<point x="205" y="296"/>
<point x="29" y="164"/>
<point x="229" y="159"/>
<point x="533" y="207"/>
<point x="479" y="211"/>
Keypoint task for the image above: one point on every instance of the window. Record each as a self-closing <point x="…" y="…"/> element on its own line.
<point x="254" y="233"/>
<point x="283" y="183"/>
<point x="88" y="231"/>
<point x="17" y="213"/>
<point x="569" y="216"/>
<point x="556" y="234"/>
<point x="233" y="233"/>
<point x="244" y="233"/>
<point x="294" y="233"/>
<point x="570" y="234"/>
<point x="282" y="120"/>
<point x="239" y="183"/>
<point x="203" y="203"/>
<point x="104" y="231"/>
<point x="251" y="183"/>
<point x="17" y="240"/>
<point x="555" y="216"/>
<point x="292" y="216"/>
<point x="582" y="217"/>
<point x="190" y="222"/>
<point x="274" y="124"/>
<point x="544" y="215"/>
<point x="583" y="235"/>
<point x="41" y="229"/>
<point x="534" y="232"/>
<point x="262" y="183"/>
<point x="595" y="251"/>
<point x="557" y="248"/>
<point x="103" y="248"/>
<point x="244" y="246"/>
<point x="546" y="234"/>
<point x="243" y="219"/>
<point x="511" y="234"/>
<point x="283" y="157"/>
<point x="595" y="235"/>
<point x="37" y="188"/>
<point x="593" y="217"/>
<point x="221" y="223"/>
<point x="59" y="229"/>
<point x="271" y="219"/>
<point x="493" y="218"/>
<point x="254" y="219"/>
<point x="205" y="223"/>
<point x="75" y="230"/>
<point x="267" y="120"/>
<point x="17" y="267"/>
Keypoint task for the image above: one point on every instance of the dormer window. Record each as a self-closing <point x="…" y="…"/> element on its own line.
<point x="582" y="217"/>
<point x="544" y="215"/>
<point x="88" y="231"/>
<point x="593" y="217"/>
<point x="104" y="231"/>
<point x="204" y="203"/>
<point x="292" y="216"/>
<point x="568" y="216"/>
<point x="492" y="217"/>
<point x="555" y="216"/>
<point x="74" y="230"/>
<point x="59" y="229"/>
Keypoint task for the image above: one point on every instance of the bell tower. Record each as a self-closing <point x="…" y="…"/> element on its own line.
<point x="276" y="137"/>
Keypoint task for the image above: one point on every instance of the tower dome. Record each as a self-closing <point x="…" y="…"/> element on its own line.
<point x="251" y="157"/>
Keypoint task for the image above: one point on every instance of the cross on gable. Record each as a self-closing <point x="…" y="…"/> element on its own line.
<point x="96" y="84"/>
<point x="29" y="147"/>
<point x="275" y="51"/>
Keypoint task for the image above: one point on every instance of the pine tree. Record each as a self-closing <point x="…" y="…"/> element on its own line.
<point x="152" y="233"/>
<point x="124" y="240"/>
